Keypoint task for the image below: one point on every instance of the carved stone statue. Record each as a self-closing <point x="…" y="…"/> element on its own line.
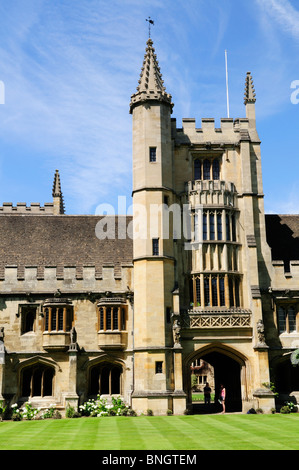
<point x="176" y="328"/>
<point x="261" y="332"/>
<point x="73" y="335"/>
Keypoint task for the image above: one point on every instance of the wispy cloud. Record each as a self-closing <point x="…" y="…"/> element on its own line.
<point x="284" y="14"/>
<point x="68" y="87"/>
<point x="70" y="68"/>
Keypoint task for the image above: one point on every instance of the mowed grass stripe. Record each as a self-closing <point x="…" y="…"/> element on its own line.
<point x="279" y="432"/>
<point x="236" y="435"/>
<point x="247" y="432"/>
<point x="145" y="436"/>
<point x="165" y="434"/>
<point x="183" y="436"/>
<point x="210" y="432"/>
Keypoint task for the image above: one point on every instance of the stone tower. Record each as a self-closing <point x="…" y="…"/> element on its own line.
<point x="154" y="260"/>
<point x="197" y="292"/>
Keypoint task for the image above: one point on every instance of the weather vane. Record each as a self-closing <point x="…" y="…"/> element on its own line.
<point x="150" y="22"/>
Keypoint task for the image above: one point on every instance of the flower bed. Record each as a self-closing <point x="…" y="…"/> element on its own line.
<point x="101" y="407"/>
<point x="98" y="408"/>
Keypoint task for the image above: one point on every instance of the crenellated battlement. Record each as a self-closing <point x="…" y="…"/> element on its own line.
<point x="34" y="279"/>
<point x="22" y="208"/>
<point x="230" y="132"/>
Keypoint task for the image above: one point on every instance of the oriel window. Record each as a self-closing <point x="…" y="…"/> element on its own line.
<point x="112" y="318"/>
<point x="58" y="318"/>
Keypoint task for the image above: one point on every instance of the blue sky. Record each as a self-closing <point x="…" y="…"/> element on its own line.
<point x="69" y="69"/>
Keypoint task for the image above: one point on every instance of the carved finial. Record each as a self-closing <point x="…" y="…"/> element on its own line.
<point x="56" y="185"/>
<point x="150" y="84"/>
<point x="249" y="95"/>
<point x="57" y="193"/>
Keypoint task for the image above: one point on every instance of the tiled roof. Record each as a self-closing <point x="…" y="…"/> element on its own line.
<point x="282" y="233"/>
<point x="62" y="240"/>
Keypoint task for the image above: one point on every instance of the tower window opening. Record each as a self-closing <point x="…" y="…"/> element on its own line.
<point x="219" y="226"/>
<point x="152" y="154"/>
<point x="216" y="169"/>
<point x="206" y="170"/>
<point x="197" y="169"/>
<point x="227" y="227"/>
<point x="212" y="226"/>
<point x="155" y="242"/>
<point x="198" y="296"/>
<point x="204" y="226"/>
<point x="217" y="291"/>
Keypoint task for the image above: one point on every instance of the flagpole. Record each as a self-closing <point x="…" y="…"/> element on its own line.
<point x="226" y="72"/>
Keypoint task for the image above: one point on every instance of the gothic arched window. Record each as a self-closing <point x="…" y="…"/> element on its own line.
<point x="37" y="380"/>
<point x="105" y="379"/>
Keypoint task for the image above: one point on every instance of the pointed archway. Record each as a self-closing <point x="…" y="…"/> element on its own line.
<point x="229" y="367"/>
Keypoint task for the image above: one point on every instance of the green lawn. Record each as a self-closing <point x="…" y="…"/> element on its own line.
<point x="197" y="432"/>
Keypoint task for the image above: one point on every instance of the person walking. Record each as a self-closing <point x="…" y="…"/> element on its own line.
<point x="222" y="396"/>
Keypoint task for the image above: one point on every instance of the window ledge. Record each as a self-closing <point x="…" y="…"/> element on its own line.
<point x="112" y="339"/>
<point x="56" y="340"/>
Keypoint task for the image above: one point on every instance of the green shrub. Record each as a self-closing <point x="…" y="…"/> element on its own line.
<point x="285" y="410"/>
<point x="2" y="409"/>
<point x="70" y="411"/>
<point x="48" y="413"/>
<point x="293" y="407"/>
